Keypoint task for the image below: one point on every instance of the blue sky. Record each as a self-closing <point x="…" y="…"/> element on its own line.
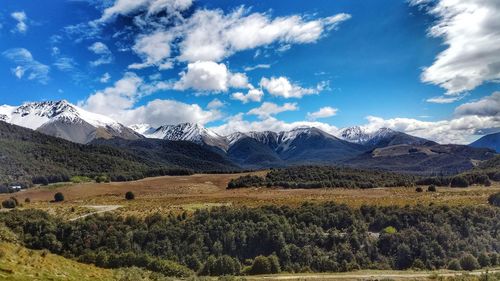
<point x="330" y="64"/>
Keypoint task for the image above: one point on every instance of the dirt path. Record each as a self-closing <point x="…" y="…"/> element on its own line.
<point x="98" y="210"/>
<point x="369" y="275"/>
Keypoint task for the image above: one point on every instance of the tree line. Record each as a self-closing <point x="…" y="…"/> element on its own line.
<point x="323" y="237"/>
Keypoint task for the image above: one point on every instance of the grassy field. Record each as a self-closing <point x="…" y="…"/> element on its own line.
<point x="188" y="193"/>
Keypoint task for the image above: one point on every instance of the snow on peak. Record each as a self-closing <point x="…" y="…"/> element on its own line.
<point x="143" y="129"/>
<point x="359" y="135"/>
<point x="183" y="132"/>
<point x="33" y="115"/>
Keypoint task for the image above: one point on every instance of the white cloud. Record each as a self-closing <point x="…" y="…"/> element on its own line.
<point x="215" y="104"/>
<point x="150" y="7"/>
<point x="154" y="49"/>
<point x="267" y="109"/>
<point x="27" y="66"/>
<point x="160" y="112"/>
<point x="105" y="55"/>
<point x="282" y="87"/>
<point x="105" y="78"/>
<point x="210" y="76"/>
<point x="237" y="123"/>
<point x="21" y="19"/>
<point x="323" y="112"/>
<point x="212" y="35"/>
<point x="252" y="95"/>
<point x="258" y="66"/>
<point x="444" y="99"/>
<point x="65" y="64"/>
<point x="487" y="106"/>
<point x="471" y="31"/>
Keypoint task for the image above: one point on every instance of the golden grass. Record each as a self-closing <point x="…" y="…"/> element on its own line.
<point x="20" y="264"/>
<point x="188" y="193"/>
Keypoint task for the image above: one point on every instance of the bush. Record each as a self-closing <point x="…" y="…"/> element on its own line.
<point x="260" y="265"/>
<point x="129" y="195"/>
<point x="459" y="181"/>
<point x="431" y="188"/>
<point x="102" y="178"/>
<point x="223" y="265"/>
<point x="9" y="203"/>
<point x="469" y="262"/>
<point x="389" y="230"/>
<point x="484" y="260"/>
<point x="454" y="264"/>
<point x="419" y="189"/>
<point x="27" y="200"/>
<point x="494" y="199"/>
<point x="58" y="197"/>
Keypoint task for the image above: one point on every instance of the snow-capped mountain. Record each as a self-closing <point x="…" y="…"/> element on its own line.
<point x="183" y="132"/>
<point x="65" y="120"/>
<point x="381" y="138"/>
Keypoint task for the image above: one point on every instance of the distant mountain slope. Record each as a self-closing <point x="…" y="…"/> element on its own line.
<point x="383" y="137"/>
<point x="65" y="120"/>
<point x="300" y="145"/>
<point x="183" y="132"/>
<point x="177" y="153"/>
<point x="491" y="141"/>
<point x="422" y="159"/>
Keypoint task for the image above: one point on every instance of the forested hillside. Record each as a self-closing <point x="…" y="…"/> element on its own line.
<point x="314" y="237"/>
<point x="26" y="154"/>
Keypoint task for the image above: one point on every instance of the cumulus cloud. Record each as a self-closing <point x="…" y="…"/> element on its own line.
<point x="323" y="112"/>
<point x="470" y="30"/>
<point x="252" y="95"/>
<point x="487" y="106"/>
<point x="27" y="66"/>
<point x="210" y="76"/>
<point x="213" y="35"/>
<point x="150" y="7"/>
<point x="267" y="109"/>
<point x="119" y="102"/>
<point x="154" y="49"/>
<point x="105" y="55"/>
<point x="282" y="87"/>
<point x="21" y="19"/>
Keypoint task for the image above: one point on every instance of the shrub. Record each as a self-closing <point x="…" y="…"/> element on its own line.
<point x="260" y="265"/>
<point x="129" y="195"/>
<point x="419" y="189"/>
<point x="431" y="188"/>
<point x="454" y="264"/>
<point x="484" y="260"/>
<point x="494" y="199"/>
<point x="459" y="181"/>
<point x="223" y="265"/>
<point x="9" y="204"/>
<point x="27" y="200"/>
<point x="469" y="262"/>
<point x="58" y="197"/>
<point x="389" y="230"/>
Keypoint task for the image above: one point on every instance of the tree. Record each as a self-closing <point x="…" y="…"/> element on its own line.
<point x="260" y="265"/>
<point x="483" y="259"/>
<point x="129" y="195"/>
<point x="459" y="181"/>
<point x="58" y="197"/>
<point x="494" y="199"/>
<point x="431" y="188"/>
<point x="454" y="264"/>
<point x="469" y="262"/>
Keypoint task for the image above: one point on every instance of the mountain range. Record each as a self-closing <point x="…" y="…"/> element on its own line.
<point x="491" y="141"/>
<point x="381" y="149"/>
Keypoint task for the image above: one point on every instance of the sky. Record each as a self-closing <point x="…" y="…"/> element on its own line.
<point x="429" y="68"/>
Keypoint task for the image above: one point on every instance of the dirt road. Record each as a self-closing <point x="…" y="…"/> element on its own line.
<point x="98" y="210"/>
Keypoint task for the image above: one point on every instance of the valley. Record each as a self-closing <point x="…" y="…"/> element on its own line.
<point x="203" y="191"/>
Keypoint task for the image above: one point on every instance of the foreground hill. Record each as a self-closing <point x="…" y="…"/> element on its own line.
<point x="491" y="141"/>
<point x="423" y="159"/>
<point x="30" y="154"/>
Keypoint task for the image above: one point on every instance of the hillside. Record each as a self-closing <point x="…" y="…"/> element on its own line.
<point x="30" y="154"/>
<point x="422" y="159"/>
<point x="184" y="154"/>
<point x="491" y="141"/>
